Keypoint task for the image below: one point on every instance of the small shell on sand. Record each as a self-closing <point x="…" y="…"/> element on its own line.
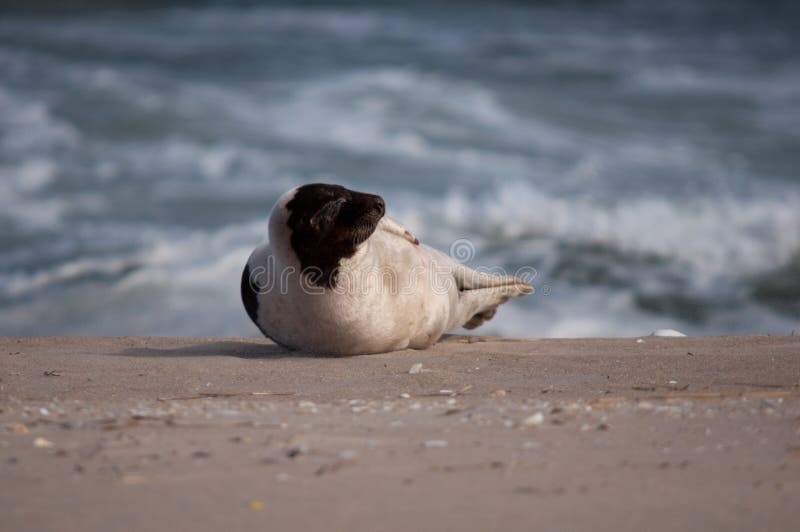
<point x="667" y="332"/>
<point x="534" y="420"/>
<point x="41" y="443"/>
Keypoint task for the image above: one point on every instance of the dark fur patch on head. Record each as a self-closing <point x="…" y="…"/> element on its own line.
<point x="328" y="223"/>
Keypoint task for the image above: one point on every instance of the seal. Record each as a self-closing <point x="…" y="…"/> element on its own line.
<point x="337" y="276"/>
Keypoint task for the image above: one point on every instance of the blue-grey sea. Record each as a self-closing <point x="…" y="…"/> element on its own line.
<point x="644" y="157"/>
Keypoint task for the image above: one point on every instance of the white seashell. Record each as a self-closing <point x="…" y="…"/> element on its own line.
<point x="666" y="332"/>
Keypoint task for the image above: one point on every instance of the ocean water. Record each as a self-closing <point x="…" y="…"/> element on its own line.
<point x="644" y="159"/>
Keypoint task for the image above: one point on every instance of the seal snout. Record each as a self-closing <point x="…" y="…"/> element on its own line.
<point x="367" y="207"/>
<point x="378" y="206"/>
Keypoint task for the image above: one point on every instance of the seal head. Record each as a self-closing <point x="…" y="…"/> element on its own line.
<point x="328" y="223"/>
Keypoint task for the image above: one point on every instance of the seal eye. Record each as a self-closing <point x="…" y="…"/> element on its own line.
<point x="325" y="217"/>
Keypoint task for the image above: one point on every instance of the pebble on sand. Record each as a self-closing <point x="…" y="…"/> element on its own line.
<point x="416" y="368"/>
<point x="256" y="506"/>
<point x="307" y="407"/>
<point x="534" y="420"/>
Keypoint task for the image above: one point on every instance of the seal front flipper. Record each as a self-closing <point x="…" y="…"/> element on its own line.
<point x="255" y="283"/>
<point x="250" y="297"/>
<point x="396" y="228"/>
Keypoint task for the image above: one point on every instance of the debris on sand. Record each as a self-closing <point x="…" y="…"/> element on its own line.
<point x="348" y="454"/>
<point x="41" y="443"/>
<point x="416" y="368"/>
<point x="346" y="457"/>
<point x="133" y="479"/>
<point x="534" y="420"/>
<point x="256" y="506"/>
<point x="212" y="395"/>
<point x="667" y="333"/>
<point x="297" y="450"/>
<point x="308" y="407"/>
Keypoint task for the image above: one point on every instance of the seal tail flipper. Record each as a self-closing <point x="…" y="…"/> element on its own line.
<point x="469" y="279"/>
<point x="478" y="319"/>
<point x="480" y="293"/>
<point x="478" y="305"/>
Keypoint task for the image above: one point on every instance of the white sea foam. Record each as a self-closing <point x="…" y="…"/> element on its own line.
<point x="714" y="238"/>
<point x="358" y="110"/>
<point x="398" y="112"/>
<point x="35" y="174"/>
<point x="135" y="146"/>
<point x="569" y="313"/>
<point x="166" y="286"/>
<point x="27" y="126"/>
<point x="602" y="312"/>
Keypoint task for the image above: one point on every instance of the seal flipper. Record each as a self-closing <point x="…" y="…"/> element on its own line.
<point x="480" y="293"/>
<point x="469" y="279"/>
<point x="478" y="319"/>
<point x="250" y="298"/>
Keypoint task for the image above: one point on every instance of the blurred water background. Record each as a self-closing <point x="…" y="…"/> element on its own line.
<point x="644" y="157"/>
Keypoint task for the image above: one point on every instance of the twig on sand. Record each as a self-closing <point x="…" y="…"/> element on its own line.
<point x="652" y="388"/>
<point x="609" y="401"/>
<point x="209" y="395"/>
<point x="445" y="393"/>
<point x="758" y="385"/>
<point x="757" y="394"/>
<point x="602" y="403"/>
<point x="473" y="339"/>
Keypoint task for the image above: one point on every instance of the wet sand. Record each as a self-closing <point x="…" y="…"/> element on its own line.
<point x="239" y="434"/>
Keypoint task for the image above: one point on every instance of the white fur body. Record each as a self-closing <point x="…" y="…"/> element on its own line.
<point x="391" y="294"/>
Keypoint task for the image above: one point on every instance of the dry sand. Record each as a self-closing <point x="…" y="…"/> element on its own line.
<point x="101" y="434"/>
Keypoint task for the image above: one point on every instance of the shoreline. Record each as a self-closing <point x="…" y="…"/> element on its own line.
<point x="691" y="433"/>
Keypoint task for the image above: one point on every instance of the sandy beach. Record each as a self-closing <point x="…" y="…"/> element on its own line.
<point x="482" y="434"/>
